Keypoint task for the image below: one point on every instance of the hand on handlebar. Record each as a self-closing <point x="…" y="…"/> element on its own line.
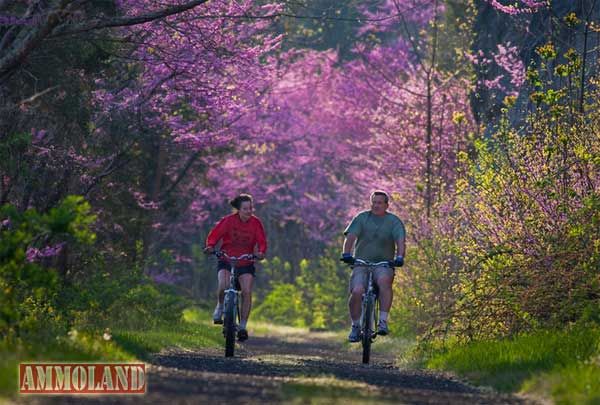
<point x="209" y="250"/>
<point x="259" y="256"/>
<point x="398" y="261"/>
<point x="347" y="258"/>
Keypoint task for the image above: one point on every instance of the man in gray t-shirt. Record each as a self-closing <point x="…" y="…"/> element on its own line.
<point x="376" y="235"/>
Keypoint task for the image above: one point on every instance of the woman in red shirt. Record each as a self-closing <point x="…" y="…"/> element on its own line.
<point x="241" y="233"/>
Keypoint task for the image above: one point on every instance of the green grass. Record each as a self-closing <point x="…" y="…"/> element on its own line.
<point x="559" y="364"/>
<point x="75" y="347"/>
<point x="575" y="384"/>
<point x="193" y="332"/>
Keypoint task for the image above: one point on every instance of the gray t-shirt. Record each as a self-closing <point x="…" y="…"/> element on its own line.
<point x="376" y="236"/>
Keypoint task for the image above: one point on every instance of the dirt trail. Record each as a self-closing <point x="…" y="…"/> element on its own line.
<point x="296" y="368"/>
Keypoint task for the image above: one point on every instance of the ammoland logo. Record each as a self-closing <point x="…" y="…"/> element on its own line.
<point x="82" y="378"/>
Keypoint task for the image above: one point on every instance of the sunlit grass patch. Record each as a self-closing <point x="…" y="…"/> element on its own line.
<point x="328" y="390"/>
<point x="195" y="315"/>
<point x="398" y="348"/>
<point x="194" y="331"/>
<point x="77" y="347"/>
<point x="183" y="336"/>
<point x="268" y="329"/>
<point x="559" y="364"/>
<point x="575" y="384"/>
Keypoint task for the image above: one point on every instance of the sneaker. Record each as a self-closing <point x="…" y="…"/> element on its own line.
<point x="354" y="335"/>
<point x="218" y="315"/>
<point x="382" y="328"/>
<point x="242" y="335"/>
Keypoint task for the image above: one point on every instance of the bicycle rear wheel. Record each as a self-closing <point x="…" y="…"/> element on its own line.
<point x="229" y="325"/>
<point x="366" y="330"/>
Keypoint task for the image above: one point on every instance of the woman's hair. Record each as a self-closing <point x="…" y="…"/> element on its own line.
<point x="237" y="201"/>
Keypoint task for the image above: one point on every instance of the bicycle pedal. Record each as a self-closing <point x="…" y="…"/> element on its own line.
<point x="218" y="321"/>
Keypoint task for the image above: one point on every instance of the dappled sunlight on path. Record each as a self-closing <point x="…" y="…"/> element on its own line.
<point x="286" y="365"/>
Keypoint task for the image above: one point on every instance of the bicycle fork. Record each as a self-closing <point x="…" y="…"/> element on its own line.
<point x="368" y="311"/>
<point x="368" y="308"/>
<point x="231" y="301"/>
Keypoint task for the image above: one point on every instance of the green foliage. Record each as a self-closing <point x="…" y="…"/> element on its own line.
<point x="146" y="306"/>
<point x="283" y="305"/>
<point x="562" y="364"/>
<point x="30" y="290"/>
<point x="336" y="32"/>
<point x="573" y="384"/>
<point x="547" y="51"/>
<point x="41" y="303"/>
<point x="12" y="150"/>
<point x="515" y="245"/>
<point x="192" y="330"/>
<point x="424" y="293"/>
<point x="317" y="298"/>
<point x="72" y="217"/>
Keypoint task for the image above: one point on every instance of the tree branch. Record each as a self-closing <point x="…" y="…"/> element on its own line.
<point x="53" y="26"/>
<point x="181" y="175"/>
<point x="29" y="41"/>
<point x="70" y="29"/>
<point x="36" y="96"/>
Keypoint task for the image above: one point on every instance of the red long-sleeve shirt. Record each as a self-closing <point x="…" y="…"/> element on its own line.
<point x="238" y="237"/>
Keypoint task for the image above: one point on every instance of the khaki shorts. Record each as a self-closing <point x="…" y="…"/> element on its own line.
<point x="359" y="275"/>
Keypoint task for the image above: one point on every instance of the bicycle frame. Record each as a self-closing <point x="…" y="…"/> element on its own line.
<point x="369" y="296"/>
<point x="368" y="316"/>
<point x="232" y="292"/>
<point x="231" y="303"/>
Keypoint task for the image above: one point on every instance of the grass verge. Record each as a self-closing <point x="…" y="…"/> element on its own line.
<point x="562" y="365"/>
<point x="194" y="331"/>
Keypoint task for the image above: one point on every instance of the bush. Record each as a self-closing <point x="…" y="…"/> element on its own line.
<point x="145" y="306"/>
<point x="28" y="306"/>
<point x="283" y="306"/>
<point x="317" y="299"/>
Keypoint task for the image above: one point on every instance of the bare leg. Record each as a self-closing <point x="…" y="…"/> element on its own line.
<point x="246" y="281"/>
<point x="355" y="302"/>
<point x="386" y="294"/>
<point x="223" y="278"/>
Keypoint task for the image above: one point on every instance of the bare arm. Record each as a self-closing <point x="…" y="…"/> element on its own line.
<point x="400" y="247"/>
<point x="349" y="243"/>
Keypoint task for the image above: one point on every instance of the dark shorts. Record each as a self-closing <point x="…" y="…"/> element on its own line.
<point x="250" y="269"/>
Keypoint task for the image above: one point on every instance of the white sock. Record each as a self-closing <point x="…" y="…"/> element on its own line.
<point x="383" y="316"/>
<point x="243" y="324"/>
<point x="356" y="322"/>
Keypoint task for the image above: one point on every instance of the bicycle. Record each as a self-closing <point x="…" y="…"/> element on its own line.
<point x="231" y="309"/>
<point x="369" y="308"/>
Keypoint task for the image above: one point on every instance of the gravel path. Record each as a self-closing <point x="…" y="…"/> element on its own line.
<point x="291" y="368"/>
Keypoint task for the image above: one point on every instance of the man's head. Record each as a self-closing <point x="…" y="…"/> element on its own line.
<point x="379" y="202"/>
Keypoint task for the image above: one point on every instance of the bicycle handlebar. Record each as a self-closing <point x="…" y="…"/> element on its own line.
<point x="220" y="253"/>
<point x="362" y="262"/>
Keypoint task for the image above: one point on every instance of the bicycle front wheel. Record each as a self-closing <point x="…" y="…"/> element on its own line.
<point x="366" y="330"/>
<point x="229" y="325"/>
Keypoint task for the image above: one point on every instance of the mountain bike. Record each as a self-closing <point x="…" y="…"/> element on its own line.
<point x="231" y="309"/>
<point x="370" y="307"/>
